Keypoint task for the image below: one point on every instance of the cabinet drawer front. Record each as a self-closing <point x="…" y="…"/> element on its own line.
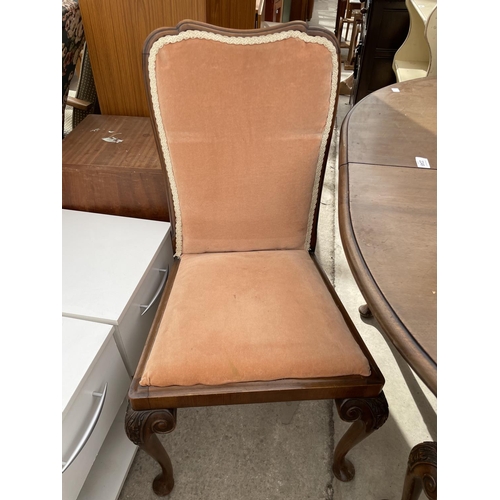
<point x="134" y="327"/>
<point x="109" y="369"/>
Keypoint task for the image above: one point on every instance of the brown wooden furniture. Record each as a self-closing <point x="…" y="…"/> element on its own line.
<point x="228" y="245"/>
<point x="356" y="21"/>
<point x="387" y="221"/>
<point x="115" y="31"/>
<point x="385" y="28"/>
<point x="80" y="104"/>
<point x="301" y="10"/>
<point x="341" y="9"/>
<point x="348" y="28"/>
<point x="260" y="6"/>
<point x="421" y="473"/>
<point x="73" y="40"/>
<point x="123" y="178"/>
<point x="274" y="11"/>
<point x="345" y="19"/>
<point x="238" y="14"/>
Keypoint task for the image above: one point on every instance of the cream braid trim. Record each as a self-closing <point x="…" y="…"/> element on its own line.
<point x="232" y="40"/>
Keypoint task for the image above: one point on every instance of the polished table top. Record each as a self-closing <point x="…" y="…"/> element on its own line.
<point x="387" y="214"/>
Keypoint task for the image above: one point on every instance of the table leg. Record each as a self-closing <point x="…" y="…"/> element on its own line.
<point x="364" y="311"/>
<point x="421" y="472"/>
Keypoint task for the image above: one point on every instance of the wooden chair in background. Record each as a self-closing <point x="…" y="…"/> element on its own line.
<point x="85" y="101"/>
<point x="356" y="22"/>
<point x="348" y="28"/>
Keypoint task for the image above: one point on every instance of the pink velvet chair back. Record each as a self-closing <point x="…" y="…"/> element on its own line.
<point x="243" y="125"/>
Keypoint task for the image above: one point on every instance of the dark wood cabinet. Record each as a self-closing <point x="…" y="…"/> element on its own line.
<point x="301" y="10"/>
<point x="386" y="24"/>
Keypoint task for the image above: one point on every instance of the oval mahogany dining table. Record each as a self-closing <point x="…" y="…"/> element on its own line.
<point x="387" y="223"/>
<point x="387" y="214"/>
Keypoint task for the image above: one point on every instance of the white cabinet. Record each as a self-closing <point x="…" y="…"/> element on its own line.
<point x="417" y="57"/>
<point x="114" y="270"/>
<point x="95" y="383"/>
<point x="113" y="267"/>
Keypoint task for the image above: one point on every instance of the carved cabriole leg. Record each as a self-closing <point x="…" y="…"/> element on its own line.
<point x="421" y="472"/>
<point x="364" y="311"/>
<point x="366" y="415"/>
<point x="141" y="428"/>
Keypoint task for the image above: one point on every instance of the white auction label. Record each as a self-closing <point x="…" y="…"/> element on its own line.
<point x="394" y="89"/>
<point x="422" y="162"/>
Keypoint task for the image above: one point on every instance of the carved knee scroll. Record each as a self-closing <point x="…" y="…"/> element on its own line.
<point x="141" y="428"/>
<point x="366" y="415"/>
<point x="421" y="472"/>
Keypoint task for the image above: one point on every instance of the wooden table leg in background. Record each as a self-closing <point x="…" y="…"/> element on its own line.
<point x="421" y="472"/>
<point x="364" y="311"/>
<point x="341" y="8"/>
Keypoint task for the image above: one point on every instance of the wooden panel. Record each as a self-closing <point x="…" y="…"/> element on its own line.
<point x="115" y="31"/>
<point x="114" y="192"/>
<point x="301" y="10"/>
<point x="237" y="14"/>
<point x="114" y="178"/>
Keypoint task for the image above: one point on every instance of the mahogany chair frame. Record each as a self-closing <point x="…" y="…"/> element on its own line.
<point x="152" y="410"/>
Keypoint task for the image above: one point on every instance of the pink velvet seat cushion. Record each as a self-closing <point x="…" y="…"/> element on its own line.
<point x="250" y="316"/>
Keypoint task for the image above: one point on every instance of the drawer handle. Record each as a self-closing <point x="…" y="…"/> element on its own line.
<point x="90" y="428"/>
<point x="157" y="294"/>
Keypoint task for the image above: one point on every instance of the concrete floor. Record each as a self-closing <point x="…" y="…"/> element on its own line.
<point x="257" y="452"/>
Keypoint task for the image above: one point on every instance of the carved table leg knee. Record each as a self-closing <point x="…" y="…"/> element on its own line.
<point x="364" y="311"/>
<point x="141" y="428"/>
<point x="366" y="415"/>
<point x="421" y="472"/>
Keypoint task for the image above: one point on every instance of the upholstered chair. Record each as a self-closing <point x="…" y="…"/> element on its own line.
<point x="72" y="43"/>
<point x="74" y="49"/>
<point x="243" y="122"/>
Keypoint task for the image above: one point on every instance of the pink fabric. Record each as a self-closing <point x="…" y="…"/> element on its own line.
<point x="250" y="316"/>
<point x="244" y="126"/>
